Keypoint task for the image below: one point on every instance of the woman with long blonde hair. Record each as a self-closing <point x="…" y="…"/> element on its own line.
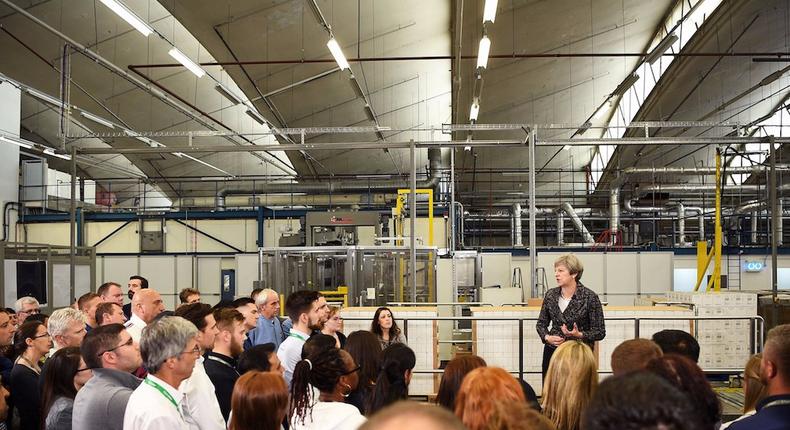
<point x="571" y="380"/>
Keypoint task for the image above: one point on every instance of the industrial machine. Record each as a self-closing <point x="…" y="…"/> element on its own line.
<point x="337" y="228"/>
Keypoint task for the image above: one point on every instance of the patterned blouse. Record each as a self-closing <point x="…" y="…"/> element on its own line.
<point x="584" y="309"/>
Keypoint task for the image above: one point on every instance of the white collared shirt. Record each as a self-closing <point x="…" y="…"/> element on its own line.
<point x="135" y="327"/>
<point x="201" y="409"/>
<point x="290" y="352"/>
<point x="149" y="409"/>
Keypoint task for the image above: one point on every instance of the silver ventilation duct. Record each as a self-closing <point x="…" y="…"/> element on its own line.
<point x="702" y="170"/>
<point x="436" y="165"/>
<point x="614" y="213"/>
<point x="517" y="237"/>
<point x="577" y="222"/>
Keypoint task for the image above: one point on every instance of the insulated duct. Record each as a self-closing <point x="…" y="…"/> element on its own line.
<point x="702" y="170"/>
<point x="614" y="213"/>
<point x="436" y="165"/>
<point x="754" y="227"/>
<point x="517" y="238"/>
<point x="248" y="200"/>
<point x="680" y="211"/>
<point x="560" y="228"/>
<point x="577" y="222"/>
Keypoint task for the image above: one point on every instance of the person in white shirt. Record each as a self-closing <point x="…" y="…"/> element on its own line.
<point x="170" y="349"/>
<point x="201" y="409"/>
<point x="146" y="305"/>
<point x="333" y="373"/>
<point x="304" y="309"/>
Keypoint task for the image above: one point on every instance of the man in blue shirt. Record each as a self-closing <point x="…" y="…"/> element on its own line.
<point x="269" y="329"/>
<point x="773" y="412"/>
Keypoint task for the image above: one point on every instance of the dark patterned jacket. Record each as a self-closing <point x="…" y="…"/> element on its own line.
<point x="584" y="309"/>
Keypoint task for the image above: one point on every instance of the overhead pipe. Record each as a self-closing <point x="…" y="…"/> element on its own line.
<point x="702" y="187"/>
<point x="248" y="200"/>
<point x="436" y="165"/>
<point x="560" y="228"/>
<point x="779" y="230"/>
<point x="518" y="241"/>
<point x="577" y="222"/>
<point x="614" y="213"/>
<point x="701" y="170"/>
<point x="754" y="225"/>
<point x="681" y="211"/>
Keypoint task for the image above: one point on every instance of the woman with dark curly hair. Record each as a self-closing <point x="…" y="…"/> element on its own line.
<point x="385" y="328"/>
<point x="689" y="379"/>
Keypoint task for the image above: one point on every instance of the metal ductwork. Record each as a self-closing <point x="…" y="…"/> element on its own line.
<point x="436" y="165"/>
<point x="754" y="227"/>
<point x="560" y="228"/>
<point x="680" y="211"/>
<point x="517" y="237"/>
<point x="577" y="222"/>
<point x="247" y="200"/>
<point x="668" y="188"/>
<point x="614" y="213"/>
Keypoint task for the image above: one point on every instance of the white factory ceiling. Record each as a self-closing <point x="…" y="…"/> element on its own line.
<point x="566" y="58"/>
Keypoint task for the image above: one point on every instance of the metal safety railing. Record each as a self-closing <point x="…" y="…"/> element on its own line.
<point x="756" y="330"/>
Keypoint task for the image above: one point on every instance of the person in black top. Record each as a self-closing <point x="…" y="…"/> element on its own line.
<point x="31" y="342"/>
<point x="220" y="363"/>
<point x="574" y="311"/>
<point x="136" y="283"/>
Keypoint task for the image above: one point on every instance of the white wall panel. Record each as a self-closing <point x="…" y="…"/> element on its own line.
<point x="655" y="272"/>
<point x="160" y="272"/>
<point x="118" y="269"/>
<point x="208" y="276"/>
<point x="184" y="271"/>
<point x="246" y="273"/>
<point x="496" y="269"/>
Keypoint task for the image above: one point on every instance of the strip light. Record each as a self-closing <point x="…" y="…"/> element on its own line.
<point x="121" y="10"/>
<point x="228" y="94"/>
<point x="44" y="97"/>
<point x="97" y="119"/>
<point x="186" y="62"/>
<point x="489" y="11"/>
<point x="334" y="48"/>
<point x="182" y="155"/>
<point x="474" y="110"/>
<point x="18" y="142"/>
<point x="50" y="151"/>
<point x="256" y="116"/>
<point x="482" y="52"/>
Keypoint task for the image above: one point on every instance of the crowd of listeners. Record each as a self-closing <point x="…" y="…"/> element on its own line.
<point x="240" y="366"/>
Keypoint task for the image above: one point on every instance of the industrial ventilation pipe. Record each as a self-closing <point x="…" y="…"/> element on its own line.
<point x="614" y="213"/>
<point x="436" y="165"/>
<point x="577" y="222"/>
<point x="680" y="212"/>
<point x="517" y="237"/>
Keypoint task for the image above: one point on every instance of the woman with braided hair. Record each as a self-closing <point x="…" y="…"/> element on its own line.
<point x="392" y="383"/>
<point x="333" y="374"/>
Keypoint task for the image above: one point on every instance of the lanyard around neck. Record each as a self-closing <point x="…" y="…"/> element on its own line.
<point x="219" y="360"/>
<point x="164" y="392"/>
<point x="298" y="336"/>
<point x="778" y="402"/>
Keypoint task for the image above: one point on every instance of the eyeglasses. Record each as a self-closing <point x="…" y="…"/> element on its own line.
<point x="127" y="343"/>
<point x="83" y="369"/>
<point x="351" y="371"/>
<point x="195" y="351"/>
<point x="30" y="311"/>
<point x="41" y="335"/>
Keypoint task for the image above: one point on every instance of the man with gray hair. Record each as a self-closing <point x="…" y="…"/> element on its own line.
<point x="169" y="348"/>
<point x="25" y="307"/>
<point x="269" y="328"/>
<point x="67" y="328"/>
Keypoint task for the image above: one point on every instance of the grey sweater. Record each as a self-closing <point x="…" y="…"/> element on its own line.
<point x="59" y="416"/>
<point x="101" y="403"/>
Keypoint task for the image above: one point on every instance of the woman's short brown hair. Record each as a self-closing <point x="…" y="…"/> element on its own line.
<point x="255" y="392"/>
<point x="572" y="263"/>
<point x="453" y="376"/>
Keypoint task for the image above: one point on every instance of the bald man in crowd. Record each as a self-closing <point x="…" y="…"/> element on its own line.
<point x="146" y="305"/>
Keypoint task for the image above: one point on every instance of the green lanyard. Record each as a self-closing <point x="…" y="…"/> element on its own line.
<point x="296" y="335"/>
<point x="164" y="392"/>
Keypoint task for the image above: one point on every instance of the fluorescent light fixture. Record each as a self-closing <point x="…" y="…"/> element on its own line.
<point x="256" y="116"/>
<point x="583" y="128"/>
<point x="50" y="151"/>
<point x="97" y="119"/>
<point x="661" y="48"/>
<point x="489" y="11"/>
<point x="121" y="10"/>
<point x="369" y="113"/>
<point x="150" y="142"/>
<point x="16" y="141"/>
<point x="567" y="147"/>
<point x="334" y="48"/>
<point x="228" y="94"/>
<point x="44" y="97"/>
<point x="186" y="62"/>
<point x="625" y="85"/>
<point x="774" y="76"/>
<point x="182" y="155"/>
<point x="482" y="52"/>
<point x="474" y="110"/>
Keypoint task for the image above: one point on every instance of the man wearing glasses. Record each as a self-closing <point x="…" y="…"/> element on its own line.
<point x="112" y="354"/>
<point x="169" y="348"/>
<point x="25" y="307"/>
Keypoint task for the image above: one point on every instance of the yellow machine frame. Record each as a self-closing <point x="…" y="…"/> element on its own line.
<point x="703" y="256"/>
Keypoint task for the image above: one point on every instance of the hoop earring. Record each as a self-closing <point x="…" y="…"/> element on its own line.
<point x="348" y="393"/>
